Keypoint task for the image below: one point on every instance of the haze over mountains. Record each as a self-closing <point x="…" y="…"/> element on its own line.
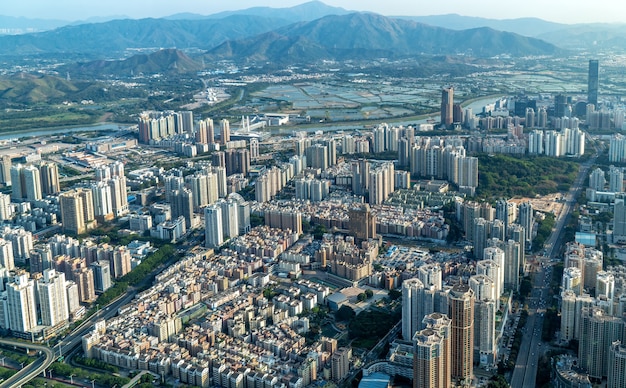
<point x="308" y="32"/>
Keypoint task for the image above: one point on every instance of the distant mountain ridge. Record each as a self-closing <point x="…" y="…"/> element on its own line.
<point x="111" y="38"/>
<point x="162" y="61"/>
<point x="524" y="26"/>
<point x="367" y="35"/>
<point x="304" y="12"/>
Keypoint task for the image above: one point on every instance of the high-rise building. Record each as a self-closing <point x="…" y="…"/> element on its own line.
<point x="461" y="312"/>
<point x="120" y="262"/>
<point x="616" y="368"/>
<point x="616" y="180"/>
<point x="340" y="363"/>
<point x="362" y="222"/>
<point x="225" y="131"/>
<point x="182" y="205"/>
<point x="619" y="218"/>
<point x="447" y="103"/>
<point x="52" y="296"/>
<point x="49" y="173"/>
<point x="560" y="105"/>
<point x="431" y="353"/>
<point x="86" y="285"/>
<point x="485" y="344"/>
<point x="593" y="82"/>
<point x="101" y="275"/>
<point x="568" y="315"/>
<point x="119" y="198"/>
<point x="572" y="280"/>
<point x="428" y="354"/>
<point x="415" y="305"/>
<point x="187" y="122"/>
<point x="32" y="182"/>
<point x="21" y="303"/>
<point x="483" y="286"/>
<point x="6" y="255"/>
<point x="530" y="118"/>
<point x="597" y="180"/>
<point x="526" y="218"/>
<point x="491" y="268"/>
<point x="230" y="218"/>
<point x="6" y="210"/>
<point x="213" y="229"/>
<point x="18" y="189"/>
<point x="77" y="212"/>
<point x="102" y="202"/>
<point x="5" y="170"/>
<point x="598" y="331"/>
<point x="254" y="148"/>
<point x="360" y="176"/>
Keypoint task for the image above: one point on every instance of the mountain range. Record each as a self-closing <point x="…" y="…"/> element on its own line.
<point x="304" y="33"/>
<point x="367" y="35"/>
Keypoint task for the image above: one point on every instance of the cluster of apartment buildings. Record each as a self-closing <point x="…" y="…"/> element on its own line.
<point x="244" y="338"/>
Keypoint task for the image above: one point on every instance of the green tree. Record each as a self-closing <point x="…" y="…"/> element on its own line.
<point x="395" y="294"/>
<point x="345" y="313"/>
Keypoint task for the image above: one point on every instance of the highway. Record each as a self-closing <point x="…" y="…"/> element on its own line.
<point x="33" y="369"/>
<point x="525" y="372"/>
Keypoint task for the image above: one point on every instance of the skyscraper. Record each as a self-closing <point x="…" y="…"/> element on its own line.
<point x="461" y="313"/>
<point x="52" y="296"/>
<point x="49" y="178"/>
<point x="362" y="222"/>
<point x="616" y="373"/>
<point x="77" y="213"/>
<point x="225" y="135"/>
<point x="447" y="104"/>
<point x="214" y="236"/>
<point x="619" y="219"/>
<point x="182" y="205"/>
<point x="616" y="180"/>
<point x="416" y="303"/>
<point x="101" y="275"/>
<point x="21" y="303"/>
<point x="32" y="183"/>
<point x="431" y="353"/>
<point x="593" y="82"/>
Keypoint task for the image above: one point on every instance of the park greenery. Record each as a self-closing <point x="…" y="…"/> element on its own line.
<point x="508" y="176"/>
<point x="370" y="326"/>
<point x="543" y="232"/>
<point x="106" y="379"/>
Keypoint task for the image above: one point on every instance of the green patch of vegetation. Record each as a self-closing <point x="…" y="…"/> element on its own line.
<point x="345" y="313"/>
<point x="551" y="324"/>
<point x="96" y="364"/>
<point x="543" y="232"/>
<point x="106" y="379"/>
<point x="370" y="326"/>
<point x="507" y="176"/>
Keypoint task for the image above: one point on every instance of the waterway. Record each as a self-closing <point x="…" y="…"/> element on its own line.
<point x="37" y="132"/>
<point x="476" y="105"/>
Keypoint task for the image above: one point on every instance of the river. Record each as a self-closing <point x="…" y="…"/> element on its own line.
<point x="110" y="127"/>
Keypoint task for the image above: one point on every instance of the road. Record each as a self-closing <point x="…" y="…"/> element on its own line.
<point x="525" y="372"/>
<point x="33" y="369"/>
<point x="74" y="340"/>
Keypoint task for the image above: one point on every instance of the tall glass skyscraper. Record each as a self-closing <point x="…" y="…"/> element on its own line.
<point x="592" y="89"/>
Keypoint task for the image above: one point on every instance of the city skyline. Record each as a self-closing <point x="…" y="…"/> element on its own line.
<point x="581" y="12"/>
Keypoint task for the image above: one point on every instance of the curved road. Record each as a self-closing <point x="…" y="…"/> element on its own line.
<point x="33" y="369"/>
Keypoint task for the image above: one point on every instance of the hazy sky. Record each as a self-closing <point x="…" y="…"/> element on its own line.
<point x="565" y="11"/>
